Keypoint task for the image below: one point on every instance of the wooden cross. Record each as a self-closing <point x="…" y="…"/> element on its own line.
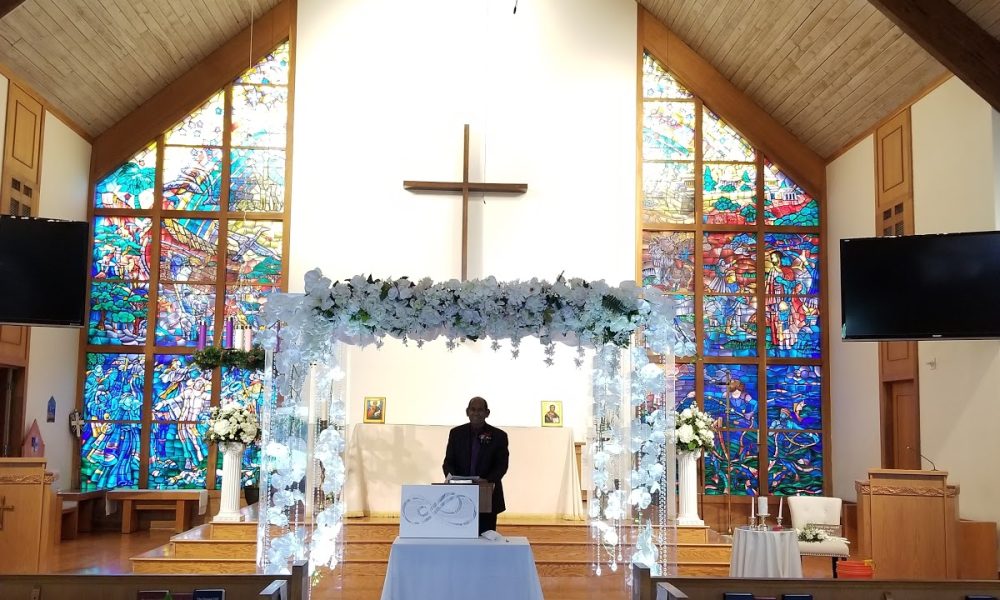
<point x="465" y="187"/>
<point x="3" y="508"/>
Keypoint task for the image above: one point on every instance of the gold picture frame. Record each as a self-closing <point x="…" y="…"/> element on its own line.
<point x="552" y="413"/>
<point x="374" y="409"/>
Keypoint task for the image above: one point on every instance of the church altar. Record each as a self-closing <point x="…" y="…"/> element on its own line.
<point x="542" y="480"/>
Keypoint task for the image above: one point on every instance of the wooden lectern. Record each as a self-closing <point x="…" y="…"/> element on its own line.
<point x="29" y="515"/>
<point x="908" y="524"/>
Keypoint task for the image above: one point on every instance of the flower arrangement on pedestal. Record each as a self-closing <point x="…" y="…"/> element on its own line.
<point x="232" y="423"/>
<point x="694" y="430"/>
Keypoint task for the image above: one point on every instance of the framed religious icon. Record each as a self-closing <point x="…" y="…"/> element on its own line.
<point x="375" y="409"/>
<point x="552" y="413"/>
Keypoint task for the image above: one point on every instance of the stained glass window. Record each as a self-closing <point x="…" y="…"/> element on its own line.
<point x="736" y="242"/>
<point x="171" y="265"/>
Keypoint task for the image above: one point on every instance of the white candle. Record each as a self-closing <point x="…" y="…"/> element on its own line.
<point x="752" y="514"/>
<point x="762" y="506"/>
<point x="781" y="506"/>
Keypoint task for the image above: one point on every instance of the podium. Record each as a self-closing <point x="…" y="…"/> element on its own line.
<point x="908" y="524"/>
<point x="29" y="515"/>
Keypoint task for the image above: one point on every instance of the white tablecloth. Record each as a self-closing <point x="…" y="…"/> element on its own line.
<point x="542" y="480"/>
<point x="765" y="554"/>
<point x="434" y="569"/>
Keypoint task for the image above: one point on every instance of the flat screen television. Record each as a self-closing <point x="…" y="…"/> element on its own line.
<point x="43" y="271"/>
<point x="921" y="287"/>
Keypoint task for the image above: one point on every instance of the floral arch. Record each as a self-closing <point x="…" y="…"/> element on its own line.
<point x="305" y="413"/>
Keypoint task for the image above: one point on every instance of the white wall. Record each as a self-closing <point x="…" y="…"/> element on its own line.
<point x="550" y="97"/>
<point x="54" y="352"/>
<point x="854" y="392"/>
<point x="955" y="153"/>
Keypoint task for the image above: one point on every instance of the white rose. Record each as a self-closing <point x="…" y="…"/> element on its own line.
<point x="221" y="428"/>
<point x="685" y="433"/>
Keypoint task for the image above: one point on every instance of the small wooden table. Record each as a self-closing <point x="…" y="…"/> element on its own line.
<point x="85" y="502"/>
<point x="181" y="502"/>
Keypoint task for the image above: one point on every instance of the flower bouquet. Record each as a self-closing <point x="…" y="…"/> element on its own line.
<point x="232" y="423"/>
<point x="694" y="430"/>
<point x="810" y="533"/>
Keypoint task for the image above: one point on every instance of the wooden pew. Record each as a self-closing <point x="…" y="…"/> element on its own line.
<point x="127" y="586"/>
<point x="180" y="502"/>
<point x="85" y="502"/>
<point x="644" y="587"/>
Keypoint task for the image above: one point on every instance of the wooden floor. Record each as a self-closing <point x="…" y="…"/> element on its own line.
<point x="109" y="553"/>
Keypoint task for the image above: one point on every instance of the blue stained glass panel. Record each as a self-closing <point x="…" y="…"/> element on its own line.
<point x="244" y="304"/>
<point x="729" y="263"/>
<point x="257" y="180"/>
<point x="791" y="264"/>
<point x="731" y="395"/>
<point x="242" y="386"/>
<point x="189" y="250"/>
<point x="684" y="330"/>
<point x="249" y="467"/>
<point x="180" y="309"/>
<point x="130" y="185"/>
<point x="109" y="456"/>
<point x="794" y="397"/>
<point x="178" y="456"/>
<point x="181" y="391"/>
<point x="733" y="466"/>
<point x="253" y="253"/>
<point x="684" y="385"/>
<point x="730" y="326"/>
<point x="121" y="248"/>
<point x="192" y="178"/>
<point x="113" y="387"/>
<point x="795" y="464"/>
<point x="668" y="260"/>
<point x="793" y="327"/>
<point x="118" y="313"/>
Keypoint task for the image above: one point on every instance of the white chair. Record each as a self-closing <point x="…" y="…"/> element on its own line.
<point x="824" y="513"/>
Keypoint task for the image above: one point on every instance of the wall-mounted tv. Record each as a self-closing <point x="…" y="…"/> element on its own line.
<point x="920" y="287"/>
<point x="43" y="271"/>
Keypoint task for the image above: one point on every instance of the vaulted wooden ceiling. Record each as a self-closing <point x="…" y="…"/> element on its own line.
<point x="828" y="70"/>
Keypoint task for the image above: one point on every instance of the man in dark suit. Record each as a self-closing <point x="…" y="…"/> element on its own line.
<point x="478" y="448"/>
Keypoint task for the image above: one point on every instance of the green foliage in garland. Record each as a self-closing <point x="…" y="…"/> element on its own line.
<point x="212" y="357"/>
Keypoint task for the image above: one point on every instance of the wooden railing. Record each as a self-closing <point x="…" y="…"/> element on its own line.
<point x="644" y="587"/>
<point x="126" y="587"/>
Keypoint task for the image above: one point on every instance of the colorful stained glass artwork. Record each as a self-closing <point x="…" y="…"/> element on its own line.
<point x="730" y="326"/>
<point x="668" y="260"/>
<point x="260" y="116"/>
<point x="730" y="263"/>
<point x="657" y="82"/>
<point x="794" y="397"/>
<point x="249" y="467"/>
<point x="786" y="203"/>
<point x="720" y="142"/>
<point x="192" y="178"/>
<point x="180" y="309"/>
<point x="257" y="180"/>
<point x="131" y="184"/>
<point x="684" y="330"/>
<point x="733" y="465"/>
<point x="729" y="194"/>
<point x="242" y="386"/>
<point x="121" y="248"/>
<point x="272" y="69"/>
<point x="178" y="456"/>
<point x="684" y="395"/>
<point x="793" y="327"/>
<point x="244" y="304"/>
<point x="791" y="264"/>
<point x="118" y="313"/>
<point x="113" y="387"/>
<point x="181" y="390"/>
<point x="667" y="192"/>
<point x="202" y="127"/>
<point x="795" y="464"/>
<point x="189" y="250"/>
<point x="254" y="251"/>
<point x="668" y="131"/>
<point x="109" y="456"/>
<point x="731" y="395"/>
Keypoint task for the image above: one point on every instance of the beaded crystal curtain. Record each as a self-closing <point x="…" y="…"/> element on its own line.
<point x="188" y="243"/>
<point x="737" y="243"/>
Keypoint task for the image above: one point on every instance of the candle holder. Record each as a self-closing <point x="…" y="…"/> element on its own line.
<point x="777" y="526"/>
<point x="762" y="522"/>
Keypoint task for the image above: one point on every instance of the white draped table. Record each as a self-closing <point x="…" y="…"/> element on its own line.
<point x="542" y="480"/>
<point x="459" y="569"/>
<point x="765" y="553"/>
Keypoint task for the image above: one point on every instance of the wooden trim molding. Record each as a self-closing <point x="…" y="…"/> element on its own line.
<point x="793" y="157"/>
<point x="864" y="488"/>
<point x="27" y="479"/>
<point x="190" y="89"/>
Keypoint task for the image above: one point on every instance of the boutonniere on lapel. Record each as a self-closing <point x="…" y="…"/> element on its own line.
<point x="485" y="438"/>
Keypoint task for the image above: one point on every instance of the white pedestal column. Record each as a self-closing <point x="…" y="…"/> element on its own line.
<point x="229" y="504"/>
<point x="687" y="473"/>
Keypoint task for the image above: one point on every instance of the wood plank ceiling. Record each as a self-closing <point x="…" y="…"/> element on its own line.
<point x="828" y="70"/>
